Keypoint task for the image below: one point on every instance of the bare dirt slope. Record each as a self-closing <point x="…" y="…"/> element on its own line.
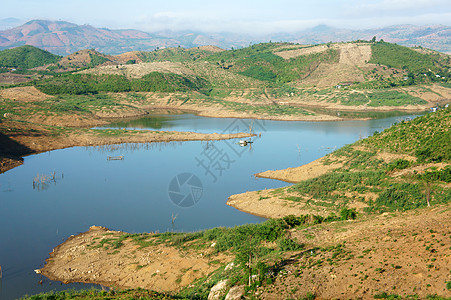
<point x="352" y="63"/>
<point x="159" y="267"/>
<point x="25" y="94"/>
<point x="350" y="53"/>
<point x="82" y="58"/>
<point x="139" y="70"/>
<point x="400" y="253"/>
<point x="306" y="50"/>
<point x="210" y="48"/>
<point x="131" y="55"/>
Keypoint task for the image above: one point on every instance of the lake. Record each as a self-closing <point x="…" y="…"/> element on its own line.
<point x="63" y="192"/>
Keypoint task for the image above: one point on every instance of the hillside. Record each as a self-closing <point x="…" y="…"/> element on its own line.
<point x="64" y="38"/>
<point x="26" y="57"/>
<point x="435" y="37"/>
<point x="405" y="167"/>
<point x="86" y="59"/>
<point x="280" y="81"/>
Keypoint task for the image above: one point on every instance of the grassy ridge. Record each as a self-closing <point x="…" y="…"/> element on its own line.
<point x="381" y="97"/>
<point x="416" y="63"/>
<point x="82" y="84"/>
<point x="174" y="54"/>
<point x="428" y="138"/>
<point x="26" y="57"/>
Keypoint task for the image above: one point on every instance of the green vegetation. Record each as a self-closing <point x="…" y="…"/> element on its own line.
<point x="259" y="62"/>
<point x="96" y="60"/>
<point x="82" y="84"/>
<point x="425" y="137"/>
<point x="98" y="295"/>
<point x="413" y="62"/>
<point x="381" y="97"/>
<point x="26" y="57"/>
<point x="364" y="174"/>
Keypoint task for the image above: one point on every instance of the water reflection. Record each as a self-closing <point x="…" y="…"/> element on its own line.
<point x="43" y="181"/>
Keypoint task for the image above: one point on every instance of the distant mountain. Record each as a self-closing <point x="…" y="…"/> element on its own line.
<point x="436" y="37"/>
<point x="9" y="23"/>
<point x="63" y="38"/>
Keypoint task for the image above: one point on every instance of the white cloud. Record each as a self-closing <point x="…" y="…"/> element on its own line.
<point x="219" y="23"/>
<point x="398" y="7"/>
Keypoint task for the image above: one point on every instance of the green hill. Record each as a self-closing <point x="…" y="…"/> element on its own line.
<point x="388" y="65"/>
<point x="26" y="57"/>
<point x="414" y="62"/>
<point x="404" y="167"/>
<point x="262" y="79"/>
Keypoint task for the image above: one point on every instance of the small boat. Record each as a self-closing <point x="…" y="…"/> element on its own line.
<point x="244" y="143"/>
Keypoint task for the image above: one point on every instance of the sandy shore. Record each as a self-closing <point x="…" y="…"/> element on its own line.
<point x="158" y="267"/>
<point x="311" y="170"/>
<point x="272" y="203"/>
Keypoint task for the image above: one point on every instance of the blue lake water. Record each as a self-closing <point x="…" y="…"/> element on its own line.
<point x="134" y="194"/>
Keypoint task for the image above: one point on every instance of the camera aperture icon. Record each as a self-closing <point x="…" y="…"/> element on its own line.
<point x="185" y="190"/>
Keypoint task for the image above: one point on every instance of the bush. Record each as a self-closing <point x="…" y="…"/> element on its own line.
<point x="82" y="84"/>
<point x="398" y="164"/>
<point x="348" y="214"/>
<point x="288" y="245"/>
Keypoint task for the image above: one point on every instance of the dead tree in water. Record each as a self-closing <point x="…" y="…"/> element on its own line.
<point x="173" y="218"/>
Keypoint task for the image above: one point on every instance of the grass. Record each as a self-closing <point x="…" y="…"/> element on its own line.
<point x="98" y="294"/>
<point x="363" y="173"/>
<point x="425" y="137"/>
<point x="382" y="97"/>
<point x="272" y="110"/>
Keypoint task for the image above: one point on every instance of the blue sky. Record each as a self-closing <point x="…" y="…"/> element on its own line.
<point x="245" y="16"/>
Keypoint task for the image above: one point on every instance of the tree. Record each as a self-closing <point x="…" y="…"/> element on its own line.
<point x="373" y="40"/>
<point x="246" y="254"/>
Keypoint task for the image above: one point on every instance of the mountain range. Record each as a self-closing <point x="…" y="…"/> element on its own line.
<point x="62" y="38"/>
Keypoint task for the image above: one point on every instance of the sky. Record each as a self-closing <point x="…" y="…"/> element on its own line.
<point x="241" y="16"/>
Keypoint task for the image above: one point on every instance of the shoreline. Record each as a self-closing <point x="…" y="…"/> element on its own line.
<point x="85" y="258"/>
<point x="38" y="130"/>
<point x="268" y="203"/>
<point x="158" y="267"/>
<point x="35" y="139"/>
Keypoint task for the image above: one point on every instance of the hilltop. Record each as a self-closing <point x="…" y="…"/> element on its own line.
<point x="26" y="57"/>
